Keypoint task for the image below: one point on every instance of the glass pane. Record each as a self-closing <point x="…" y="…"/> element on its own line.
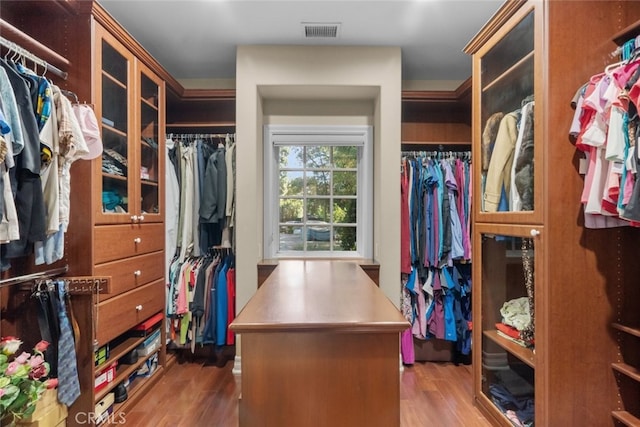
<point x="114" y="104"/>
<point x="507" y="268"/>
<point x="513" y="47"/>
<point x="149" y="90"/>
<point x="291" y="183"/>
<point x="345" y="183"/>
<point x="113" y="63"/>
<point x="507" y="316"/>
<point x="345" y="239"/>
<point x="149" y="156"/>
<point x="318" y="237"/>
<point x="507" y="73"/>
<point x="345" y="211"/>
<point x="318" y="210"/>
<point x="318" y="157"/>
<point x="318" y="183"/>
<point x="291" y="238"/>
<point x="291" y="210"/>
<point x="291" y="157"/>
<point x="345" y="157"/>
<point x="114" y="195"/>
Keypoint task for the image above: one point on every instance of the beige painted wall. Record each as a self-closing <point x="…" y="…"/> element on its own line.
<point x="365" y="83"/>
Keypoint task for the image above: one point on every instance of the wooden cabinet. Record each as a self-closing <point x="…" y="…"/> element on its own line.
<point x="339" y="354"/>
<point x="117" y="199"/>
<point x="130" y="106"/>
<point x="537" y="252"/>
<point x="125" y="238"/>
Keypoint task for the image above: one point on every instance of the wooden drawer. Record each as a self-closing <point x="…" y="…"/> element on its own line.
<point x="123" y="312"/>
<point x="132" y="272"/>
<point x="114" y="242"/>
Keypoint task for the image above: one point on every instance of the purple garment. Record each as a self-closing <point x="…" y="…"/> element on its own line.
<point x="419" y="325"/>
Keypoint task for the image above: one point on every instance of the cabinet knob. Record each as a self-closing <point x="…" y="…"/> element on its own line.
<point x="137" y="273"/>
<point x="534" y="232"/>
<point x="137" y="240"/>
<point x="139" y="307"/>
<point x="141" y="218"/>
<point x="134" y="218"/>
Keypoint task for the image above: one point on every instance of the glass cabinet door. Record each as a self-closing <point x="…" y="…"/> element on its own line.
<point x="149" y="148"/>
<point x="114" y="85"/>
<point x="505" y="113"/>
<point x="506" y="333"/>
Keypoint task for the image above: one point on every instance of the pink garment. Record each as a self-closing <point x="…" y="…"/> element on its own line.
<point x="181" y="301"/>
<point x="612" y="189"/>
<point x="468" y="234"/>
<point x="406" y="347"/>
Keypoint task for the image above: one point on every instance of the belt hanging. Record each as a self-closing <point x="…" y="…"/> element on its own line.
<point x="48" y="323"/>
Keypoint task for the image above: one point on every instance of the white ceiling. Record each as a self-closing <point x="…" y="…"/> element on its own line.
<point x="198" y="39"/>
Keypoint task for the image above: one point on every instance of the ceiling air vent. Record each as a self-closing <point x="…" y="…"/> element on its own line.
<point x="320" y="30"/>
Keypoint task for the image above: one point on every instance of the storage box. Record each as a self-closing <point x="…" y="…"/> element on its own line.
<point x="147" y="327"/>
<point x="101" y="355"/>
<point x="150" y="344"/>
<point x="149" y="367"/>
<point x="105" y="377"/>
<point x="104" y="408"/>
<point x="49" y="412"/>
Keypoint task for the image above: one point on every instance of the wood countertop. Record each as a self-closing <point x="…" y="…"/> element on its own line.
<point x="319" y="295"/>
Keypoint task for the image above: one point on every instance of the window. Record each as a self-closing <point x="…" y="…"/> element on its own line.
<point x="318" y="191"/>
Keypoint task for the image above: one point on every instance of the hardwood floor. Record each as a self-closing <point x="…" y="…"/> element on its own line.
<point x="194" y="394"/>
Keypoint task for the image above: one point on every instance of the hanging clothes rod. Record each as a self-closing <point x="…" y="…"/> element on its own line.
<point x="201" y="135"/>
<point x="34" y="276"/>
<point x="20" y="39"/>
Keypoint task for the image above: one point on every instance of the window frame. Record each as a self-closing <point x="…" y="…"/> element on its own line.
<point x="328" y="135"/>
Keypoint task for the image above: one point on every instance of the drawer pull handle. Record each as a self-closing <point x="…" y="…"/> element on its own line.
<point x="134" y="218"/>
<point x="137" y="240"/>
<point x="137" y="273"/>
<point x="534" y="232"/>
<point x="138" y="307"/>
<point x="141" y="218"/>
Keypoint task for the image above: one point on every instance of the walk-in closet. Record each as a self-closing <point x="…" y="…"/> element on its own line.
<point x="381" y="213"/>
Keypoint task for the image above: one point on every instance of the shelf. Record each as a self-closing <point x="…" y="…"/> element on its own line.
<point x="120" y="350"/>
<point x="520" y="64"/>
<point x="628" y="329"/>
<point x="522" y="353"/>
<point x="113" y="79"/>
<point x="149" y="104"/>
<point x="148" y="182"/>
<point x="626" y="418"/>
<point x="136" y="388"/>
<point x="627" y="33"/>
<point x="112" y="129"/>
<point x="121" y="375"/>
<point x="628" y="370"/>
<point x="112" y="176"/>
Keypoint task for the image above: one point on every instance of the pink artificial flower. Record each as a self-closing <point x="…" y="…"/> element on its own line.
<point x="36" y="361"/>
<point x="12" y="368"/>
<point x="42" y="346"/>
<point x="51" y="383"/>
<point x="9" y="345"/>
<point x="23" y="358"/>
<point x="38" y="372"/>
<point x="1" y="392"/>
